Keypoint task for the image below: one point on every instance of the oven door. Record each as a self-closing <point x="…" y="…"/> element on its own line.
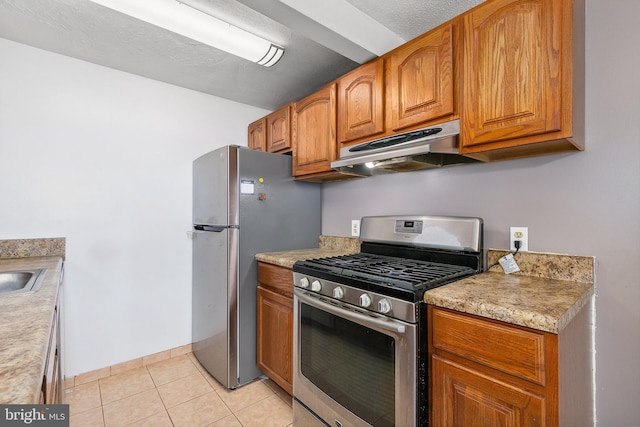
<point x="353" y="367"/>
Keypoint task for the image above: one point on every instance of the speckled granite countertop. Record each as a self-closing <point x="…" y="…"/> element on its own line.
<point x="25" y="323"/>
<point x="548" y="292"/>
<point x="21" y="248"/>
<point x="328" y="246"/>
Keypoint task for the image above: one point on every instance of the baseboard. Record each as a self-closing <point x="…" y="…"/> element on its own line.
<point x="119" y="368"/>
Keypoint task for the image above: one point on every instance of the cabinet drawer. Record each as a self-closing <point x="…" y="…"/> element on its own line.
<point x="500" y="346"/>
<point x="276" y="278"/>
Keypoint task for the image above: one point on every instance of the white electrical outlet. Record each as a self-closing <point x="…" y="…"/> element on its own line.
<point x="355" y="227"/>
<point x="519" y="233"/>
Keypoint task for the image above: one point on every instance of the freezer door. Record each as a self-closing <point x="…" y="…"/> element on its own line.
<point x="215" y="275"/>
<point x="215" y="188"/>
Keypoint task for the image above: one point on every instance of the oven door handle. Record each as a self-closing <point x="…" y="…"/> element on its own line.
<point x="348" y="314"/>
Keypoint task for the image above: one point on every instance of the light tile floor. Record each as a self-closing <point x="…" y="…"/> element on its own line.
<point x="176" y="392"/>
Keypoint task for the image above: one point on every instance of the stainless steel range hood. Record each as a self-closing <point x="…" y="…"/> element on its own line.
<point x="426" y="148"/>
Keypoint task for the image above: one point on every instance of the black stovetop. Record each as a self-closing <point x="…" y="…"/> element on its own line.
<point x="402" y="276"/>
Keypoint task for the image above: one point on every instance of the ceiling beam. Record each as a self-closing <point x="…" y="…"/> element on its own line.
<point x="348" y="21"/>
<point x="354" y="35"/>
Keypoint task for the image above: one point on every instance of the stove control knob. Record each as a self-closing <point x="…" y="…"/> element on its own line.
<point x="316" y="286"/>
<point x="304" y="282"/>
<point x="365" y="300"/>
<point x="384" y="306"/>
<point x="338" y="292"/>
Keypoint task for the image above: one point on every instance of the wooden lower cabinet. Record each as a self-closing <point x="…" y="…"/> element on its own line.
<point x="463" y="397"/>
<point x="275" y="324"/>
<point x="491" y="373"/>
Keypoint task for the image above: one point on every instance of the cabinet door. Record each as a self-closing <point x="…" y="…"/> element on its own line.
<point x="512" y="72"/>
<point x="463" y="397"/>
<point x="257" y="139"/>
<point x="275" y="337"/>
<point x="278" y="130"/>
<point x="314" y="132"/>
<point x="422" y="81"/>
<point x="361" y="102"/>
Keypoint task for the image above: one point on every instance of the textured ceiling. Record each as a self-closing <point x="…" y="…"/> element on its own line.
<point x="322" y="41"/>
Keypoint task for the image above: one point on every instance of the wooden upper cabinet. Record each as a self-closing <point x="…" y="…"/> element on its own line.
<point x="361" y="102"/>
<point x="422" y="79"/>
<point x="517" y="74"/>
<point x="512" y="71"/>
<point x="272" y="133"/>
<point x="278" y="130"/>
<point x="257" y="137"/>
<point x="314" y="132"/>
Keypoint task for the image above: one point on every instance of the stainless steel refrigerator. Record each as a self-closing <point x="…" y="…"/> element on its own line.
<point x="244" y="202"/>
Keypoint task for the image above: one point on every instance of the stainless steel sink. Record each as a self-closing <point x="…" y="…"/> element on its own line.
<point x="14" y="282"/>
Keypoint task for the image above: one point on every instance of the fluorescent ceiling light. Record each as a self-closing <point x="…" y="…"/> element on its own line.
<point x="185" y="17"/>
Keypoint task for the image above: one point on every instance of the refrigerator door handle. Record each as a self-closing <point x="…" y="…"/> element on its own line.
<point x="214" y="228"/>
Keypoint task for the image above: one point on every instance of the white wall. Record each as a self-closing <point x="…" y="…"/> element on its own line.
<point x="585" y="203"/>
<point x="103" y="158"/>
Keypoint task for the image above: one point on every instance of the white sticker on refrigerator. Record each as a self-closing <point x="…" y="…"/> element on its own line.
<point x="247" y="187"/>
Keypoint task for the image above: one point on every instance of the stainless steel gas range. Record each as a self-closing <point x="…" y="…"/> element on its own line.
<point x="360" y="345"/>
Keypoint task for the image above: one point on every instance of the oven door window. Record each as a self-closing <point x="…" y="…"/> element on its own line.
<point x="351" y="363"/>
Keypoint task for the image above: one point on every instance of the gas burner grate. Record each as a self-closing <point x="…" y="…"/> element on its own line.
<point x="391" y="271"/>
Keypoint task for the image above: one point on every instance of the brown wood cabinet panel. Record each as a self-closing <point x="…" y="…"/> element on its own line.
<point x="361" y="102"/>
<point x="508" y="349"/>
<point x="512" y="71"/>
<point x="422" y="79"/>
<point x="314" y="132"/>
<point x="517" y="77"/>
<point x="279" y="279"/>
<point x="275" y="337"/>
<point x="257" y="135"/>
<point x="278" y="130"/>
<point x="491" y="373"/>
<point x="464" y="397"/>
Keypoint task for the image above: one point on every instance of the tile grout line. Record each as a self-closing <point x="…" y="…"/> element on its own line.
<point x="202" y="375"/>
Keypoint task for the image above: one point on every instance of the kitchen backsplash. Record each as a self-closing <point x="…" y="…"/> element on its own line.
<point x="21" y="248"/>
<point x="348" y="244"/>
<point x="549" y="266"/>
